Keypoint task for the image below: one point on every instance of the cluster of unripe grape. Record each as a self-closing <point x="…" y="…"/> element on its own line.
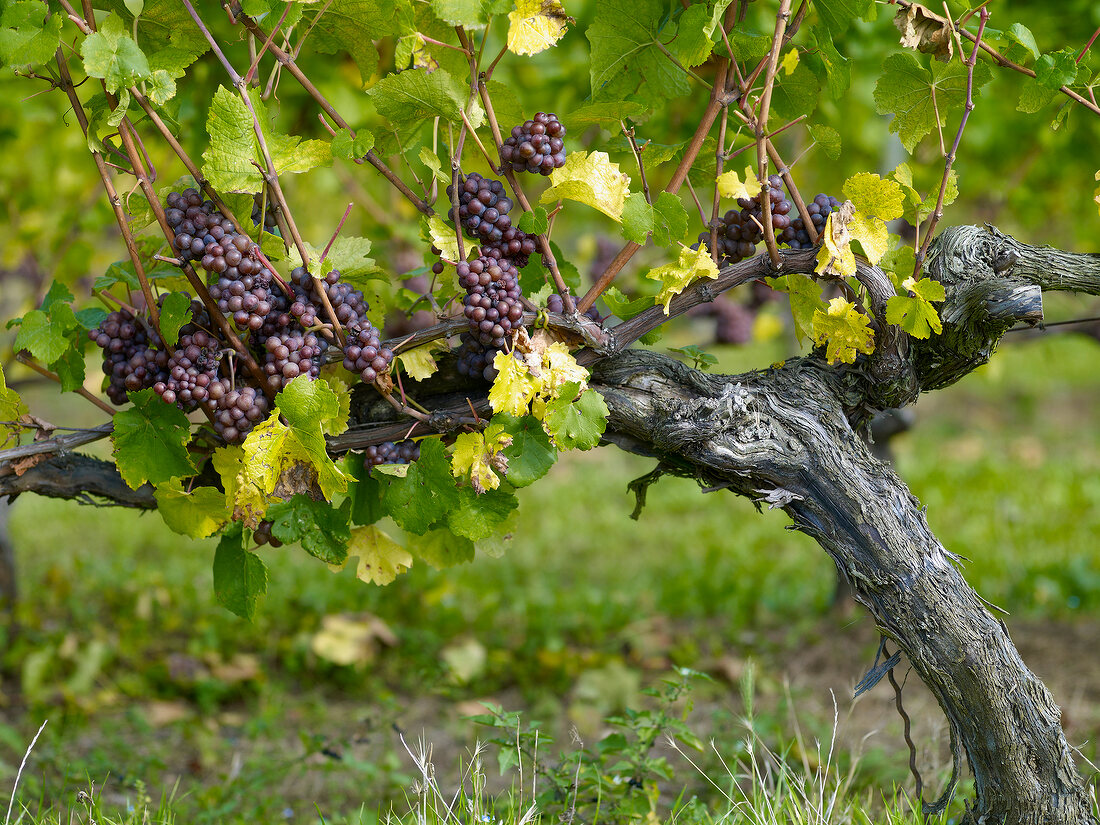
<point x="285" y="327"/>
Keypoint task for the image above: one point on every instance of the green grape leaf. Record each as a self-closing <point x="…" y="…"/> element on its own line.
<point x="838" y="15"/>
<point x="805" y="295"/>
<point x="827" y="138"/>
<point x="365" y="493"/>
<point x="467" y="13"/>
<point x="905" y="90"/>
<point x="353" y="26"/>
<point x="675" y="277"/>
<point x="607" y="115"/>
<point x="323" y="530"/>
<point x="350" y="255"/>
<point x="174" y="313"/>
<point x="43" y="333"/>
<point x="844" y="330"/>
<point x="112" y="55"/>
<point x="91" y="317"/>
<point x="426" y="494"/>
<point x="531" y="454"/>
<point x="796" y="95"/>
<point x="625" y="57"/>
<point x="1034" y="96"/>
<point x="229" y="161"/>
<point x="29" y="33"/>
<point x="1056" y="69"/>
<point x="915" y="314"/>
<point x="692" y="45"/>
<point x="666" y="219"/>
<point x="534" y="222"/>
<point x="70" y="367"/>
<point x="576" y="424"/>
<point x="240" y="577"/>
<point x="622" y="306"/>
<point x="167" y="33"/>
<point x="381" y="559"/>
<point x="592" y="179"/>
<point x="431" y="160"/>
<point x="12" y="408"/>
<point x="411" y="96"/>
<point x="1021" y="35"/>
<point x="838" y="71"/>
<point x="351" y="148"/>
<point x="150" y="441"/>
<point x="198" y="513"/>
<point x="441" y="548"/>
<point x="478" y="515"/>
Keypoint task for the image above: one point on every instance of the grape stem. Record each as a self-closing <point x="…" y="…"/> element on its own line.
<point x="629" y="133"/>
<point x="26" y="360"/>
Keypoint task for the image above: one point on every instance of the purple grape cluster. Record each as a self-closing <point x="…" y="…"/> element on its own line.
<point x="132" y="356"/>
<point x="389" y="452"/>
<point x="474" y="360"/>
<point x="536" y="145"/>
<point x="483" y="212"/>
<point x="492" y="305"/>
<point x="287" y="333"/>
<point x="819" y="208"/>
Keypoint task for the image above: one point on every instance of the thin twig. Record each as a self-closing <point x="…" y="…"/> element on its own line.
<point x="637" y="157"/>
<point x="949" y="159"/>
<point x="83" y="393"/>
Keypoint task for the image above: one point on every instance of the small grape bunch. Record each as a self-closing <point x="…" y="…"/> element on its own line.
<point x="389" y="452"/>
<point x="364" y="353"/>
<point x="819" y="208"/>
<point x="536" y="145"/>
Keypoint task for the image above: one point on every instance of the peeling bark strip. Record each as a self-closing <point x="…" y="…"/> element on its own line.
<point x="787" y="436"/>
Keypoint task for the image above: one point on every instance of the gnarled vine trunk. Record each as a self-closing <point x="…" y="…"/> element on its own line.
<point x="788" y="436"/>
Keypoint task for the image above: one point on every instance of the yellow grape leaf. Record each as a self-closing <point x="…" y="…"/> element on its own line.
<point x="561" y="368"/>
<point x="419" y="362"/>
<point x="693" y="264"/>
<point x="872" y="195"/>
<point x="536" y="25"/>
<point x="872" y="235"/>
<point x="351" y="639"/>
<point x="381" y="559"/>
<point x="514" y="386"/>
<point x="443" y="237"/>
<point x="730" y="185"/>
<point x="197" y="513"/>
<point x="835" y="256"/>
<point x="243" y="496"/>
<point x="845" y="330"/>
<point x="1097" y="196"/>
<point x="590" y="178"/>
<point x="12" y="408"/>
<point x="790" y="62"/>
<point x="480" y="460"/>
<point x="278" y="462"/>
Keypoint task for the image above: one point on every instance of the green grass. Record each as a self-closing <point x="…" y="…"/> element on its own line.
<point x="146" y="680"/>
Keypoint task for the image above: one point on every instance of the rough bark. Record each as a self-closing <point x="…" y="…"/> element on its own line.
<point x="789" y="437"/>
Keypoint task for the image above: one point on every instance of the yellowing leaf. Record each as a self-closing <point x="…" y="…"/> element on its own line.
<point x="590" y="178"/>
<point x="693" y="264"/>
<point x="443" y="237"/>
<point x="845" y="330"/>
<point x="480" y="459"/>
<point x="12" y="408"/>
<point x="243" y="496"/>
<point x="514" y="386"/>
<point x="835" y="256"/>
<point x="790" y="62"/>
<point x="381" y="559"/>
<point x="535" y="26"/>
<point x="1097" y="196"/>
<point x="561" y="368"/>
<point x="419" y="362"/>
<point x="872" y="235"/>
<point x="872" y="195"/>
<point x="339" y="387"/>
<point x="730" y="185"/>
